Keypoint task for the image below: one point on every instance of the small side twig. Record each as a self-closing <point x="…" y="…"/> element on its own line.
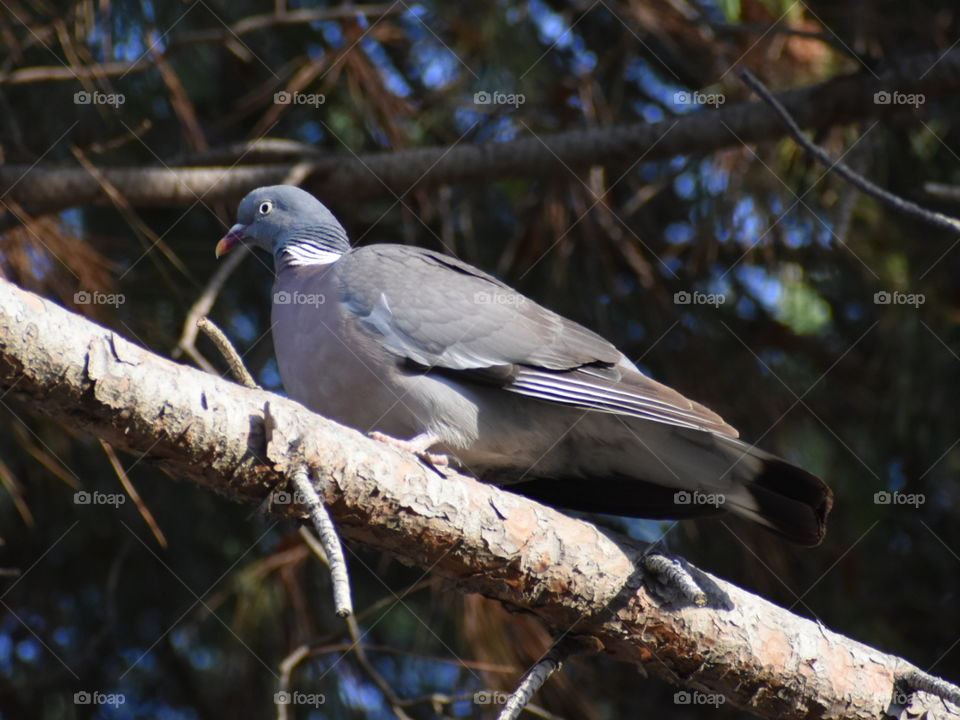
<point x="671" y="573"/>
<point x="546" y="666"/>
<point x="329" y="539"/>
<point x="142" y="508"/>
<point x="916" y="679"/>
<point x="290" y="662"/>
<point x="845" y="171"/>
<point x="300" y="479"/>
<point x="203" y="305"/>
<point x="229" y="352"/>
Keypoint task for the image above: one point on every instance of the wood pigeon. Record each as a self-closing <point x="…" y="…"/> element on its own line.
<point x="419" y="346"/>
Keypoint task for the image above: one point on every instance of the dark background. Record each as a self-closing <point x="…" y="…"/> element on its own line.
<point x="799" y="356"/>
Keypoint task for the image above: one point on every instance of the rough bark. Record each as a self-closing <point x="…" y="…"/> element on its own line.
<point x="201" y="428"/>
<point x="332" y="176"/>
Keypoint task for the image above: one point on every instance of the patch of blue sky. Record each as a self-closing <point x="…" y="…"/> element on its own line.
<point x="649" y="112"/>
<point x="495" y="129"/>
<point x="647" y="530"/>
<point x="438" y="65"/>
<point x="270" y="375"/>
<point x="853" y="312"/>
<point x="332" y="34"/>
<point x="392" y="79"/>
<point x="163" y="711"/>
<point x="6" y="653"/>
<point x="551" y="26"/>
<point x="747" y="225"/>
<point x="745" y="308"/>
<point x="763" y="287"/>
<point x="769" y="358"/>
<point x="201" y="658"/>
<point x="359" y="694"/>
<point x="669" y="267"/>
<point x="244" y="327"/>
<point x="72" y="219"/>
<point x="64" y="636"/>
<point x="685" y="185"/>
<point x="678" y="233"/>
<point x="636" y="331"/>
<point x="182" y="638"/>
<point x="556" y="33"/>
<point x="652" y="84"/>
<point x="40" y="263"/>
<point x="896" y="477"/>
<point x="714" y="178"/>
<point x="311" y="132"/>
<point x="28" y="650"/>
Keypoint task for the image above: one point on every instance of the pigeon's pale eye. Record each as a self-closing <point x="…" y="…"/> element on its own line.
<point x="266" y="207"/>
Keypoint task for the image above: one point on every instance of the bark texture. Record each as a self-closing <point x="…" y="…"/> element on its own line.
<point x="237" y="441"/>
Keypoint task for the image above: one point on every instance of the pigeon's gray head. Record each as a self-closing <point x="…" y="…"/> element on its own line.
<point x="290" y="224"/>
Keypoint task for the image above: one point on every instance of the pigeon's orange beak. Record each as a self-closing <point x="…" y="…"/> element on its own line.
<point x="229" y="241"/>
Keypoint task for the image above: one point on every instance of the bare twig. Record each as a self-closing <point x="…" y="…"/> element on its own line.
<point x="290" y="662"/>
<point x="124" y="207"/>
<point x="229" y="352"/>
<point x="940" y="190"/>
<point x="845" y="171"/>
<point x="916" y="679"/>
<point x="536" y="676"/>
<point x="531" y="684"/>
<point x="329" y="539"/>
<point x="134" y="495"/>
<point x="202" y="307"/>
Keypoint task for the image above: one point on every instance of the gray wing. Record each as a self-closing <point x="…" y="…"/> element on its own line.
<point x="438" y="314"/>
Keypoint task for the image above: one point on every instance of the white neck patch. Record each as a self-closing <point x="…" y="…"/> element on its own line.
<point x="302" y="254"/>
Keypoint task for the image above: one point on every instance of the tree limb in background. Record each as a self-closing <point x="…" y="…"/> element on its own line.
<point x="337" y="176"/>
<point x="575" y="578"/>
<point x="844" y="170"/>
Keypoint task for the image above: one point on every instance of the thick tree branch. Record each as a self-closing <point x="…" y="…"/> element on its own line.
<point x="577" y="579"/>
<point x="333" y="176"/>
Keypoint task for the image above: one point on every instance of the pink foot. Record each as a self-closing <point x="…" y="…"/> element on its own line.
<point x="417" y="445"/>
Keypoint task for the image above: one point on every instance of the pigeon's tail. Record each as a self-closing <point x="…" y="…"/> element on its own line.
<point x="705" y="478"/>
<point x="786" y="500"/>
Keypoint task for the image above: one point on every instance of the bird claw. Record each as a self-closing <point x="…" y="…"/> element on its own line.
<point x="418" y="446"/>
